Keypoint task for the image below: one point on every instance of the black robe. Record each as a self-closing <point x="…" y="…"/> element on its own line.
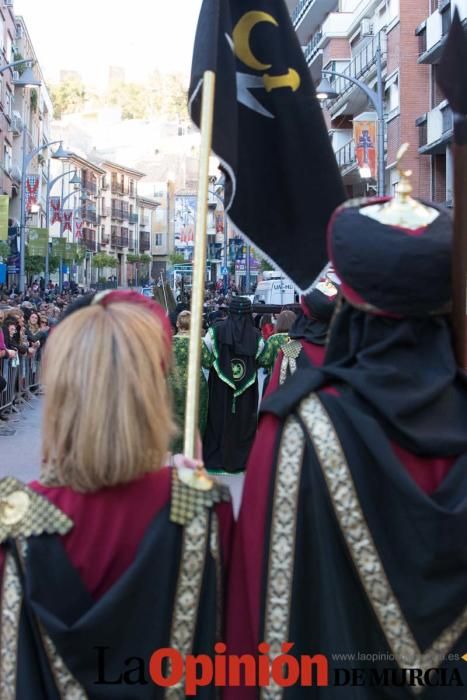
<point x="72" y="646"/>
<point x="337" y="549"/>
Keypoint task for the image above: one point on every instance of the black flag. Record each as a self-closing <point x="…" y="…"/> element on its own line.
<point x="282" y="179"/>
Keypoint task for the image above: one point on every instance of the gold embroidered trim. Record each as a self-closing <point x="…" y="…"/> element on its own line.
<point x="282" y="545"/>
<point x="12" y="598"/>
<point x="363" y="550"/>
<point x="291" y="351"/>
<point x="9" y="628"/>
<point x="190" y="579"/>
<point x="187" y="502"/>
<point x="24" y="513"/>
<point x="216" y="555"/>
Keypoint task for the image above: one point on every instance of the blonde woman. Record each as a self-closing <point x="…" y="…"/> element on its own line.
<point x="125" y="556"/>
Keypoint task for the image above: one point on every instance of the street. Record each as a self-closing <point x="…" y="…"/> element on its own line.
<point x="20" y="453"/>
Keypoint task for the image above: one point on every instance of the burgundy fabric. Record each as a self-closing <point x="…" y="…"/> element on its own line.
<point x="315" y="354"/>
<point x="246" y="570"/>
<point x="110" y="524"/>
<point x="246" y="579"/>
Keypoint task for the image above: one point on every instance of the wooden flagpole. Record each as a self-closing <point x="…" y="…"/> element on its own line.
<point x="199" y="268"/>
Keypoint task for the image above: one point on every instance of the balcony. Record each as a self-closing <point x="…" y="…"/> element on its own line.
<point x="120" y="214"/>
<point x="437" y="129"/>
<point x="144" y="221"/>
<point x="88" y="241"/>
<point x="436" y="29"/>
<point x="133" y="218"/>
<point x="119" y="241"/>
<point x="89" y="215"/>
<point x="345" y="156"/>
<point x="359" y="67"/>
<point x="90" y="186"/>
<point x="144" y="242"/>
<point x="308" y="14"/>
<point x="105" y="241"/>
<point x="312" y="48"/>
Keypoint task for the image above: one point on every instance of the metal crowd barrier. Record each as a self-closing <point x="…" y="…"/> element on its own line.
<point x="22" y="377"/>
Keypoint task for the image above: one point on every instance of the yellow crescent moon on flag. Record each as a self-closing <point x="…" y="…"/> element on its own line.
<point x="241" y="38"/>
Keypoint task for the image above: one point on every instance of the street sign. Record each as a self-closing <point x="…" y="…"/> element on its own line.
<point x="224" y="271"/>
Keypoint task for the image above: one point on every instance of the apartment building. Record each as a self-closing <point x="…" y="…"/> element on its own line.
<point x="344" y="36"/>
<point x="435" y="125"/>
<point x="7" y="94"/>
<point x="119" y="234"/>
<point x="31" y="109"/>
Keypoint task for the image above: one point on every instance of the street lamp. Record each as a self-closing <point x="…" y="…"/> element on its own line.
<point x="60" y="154"/>
<point x="324" y="91"/>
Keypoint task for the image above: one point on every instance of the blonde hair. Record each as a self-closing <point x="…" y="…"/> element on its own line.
<point x="184" y="321"/>
<point x="107" y="411"/>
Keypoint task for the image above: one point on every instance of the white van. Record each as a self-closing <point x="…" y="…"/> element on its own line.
<point x="275" y="289"/>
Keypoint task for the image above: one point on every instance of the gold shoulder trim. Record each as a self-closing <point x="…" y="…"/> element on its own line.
<point x="362" y="548"/>
<point x="291" y="352"/>
<point x="282" y="545"/>
<point x="292" y="349"/>
<point x="187" y="501"/>
<point x="24" y="513"/>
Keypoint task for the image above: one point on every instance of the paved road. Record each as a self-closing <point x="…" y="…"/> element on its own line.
<point x="20" y="453"/>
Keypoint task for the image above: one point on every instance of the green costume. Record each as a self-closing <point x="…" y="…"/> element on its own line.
<point x="269" y="355"/>
<point x="178" y="379"/>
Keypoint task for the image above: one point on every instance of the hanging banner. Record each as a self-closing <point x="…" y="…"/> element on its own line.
<point x="78" y="228"/>
<point x="364" y="133"/>
<point x="4" y="210"/>
<point x="67" y="219"/>
<point x="55" y="210"/>
<point x="219" y="222"/>
<point x="32" y="189"/>
<point x="59" y="247"/>
<point x="38" y="241"/>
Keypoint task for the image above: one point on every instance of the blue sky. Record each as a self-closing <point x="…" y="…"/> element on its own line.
<point x="90" y="35"/>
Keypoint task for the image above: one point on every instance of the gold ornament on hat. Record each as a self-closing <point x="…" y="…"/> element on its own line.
<point x="402" y="210"/>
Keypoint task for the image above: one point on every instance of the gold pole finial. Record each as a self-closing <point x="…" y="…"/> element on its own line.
<point x="402" y="210"/>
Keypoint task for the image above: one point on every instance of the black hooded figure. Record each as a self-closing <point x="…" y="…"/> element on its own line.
<point x="233" y="389"/>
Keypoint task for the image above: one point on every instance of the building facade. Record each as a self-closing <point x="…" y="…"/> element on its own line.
<point x="435" y="125"/>
<point x="119" y="232"/>
<point x="344" y="36"/>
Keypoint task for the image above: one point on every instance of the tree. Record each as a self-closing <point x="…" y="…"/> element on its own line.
<point x="266" y="267"/>
<point x="34" y="264"/>
<point x="131" y="98"/>
<point x="68" y="96"/>
<point x="101" y="260"/>
<point x="177" y="259"/>
<point x="4" y="250"/>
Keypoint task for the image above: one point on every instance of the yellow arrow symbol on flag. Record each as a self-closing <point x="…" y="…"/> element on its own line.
<point x="465" y="657"/>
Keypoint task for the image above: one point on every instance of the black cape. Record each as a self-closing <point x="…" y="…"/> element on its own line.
<point x="101" y="641"/>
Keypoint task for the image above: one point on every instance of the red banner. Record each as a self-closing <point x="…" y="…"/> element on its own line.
<point x="55" y="210"/>
<point x="67" y="219"/>
<point x="365" y="147"/>
<point x="78" y="228"/>
<point x="32" y="188"/>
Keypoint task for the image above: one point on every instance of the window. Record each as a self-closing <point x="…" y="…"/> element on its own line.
<point x="8" y="104"/>
<point x="7" y="157"/>
<point x="158" y="240"/>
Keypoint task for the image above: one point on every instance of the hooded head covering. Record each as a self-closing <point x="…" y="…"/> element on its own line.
<point x="317" y="311"/>
<point x="390" y="347"/>
<point x="237" y="344"/>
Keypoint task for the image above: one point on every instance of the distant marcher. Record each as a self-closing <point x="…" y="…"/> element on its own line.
<point x="235" y="346"/>
<point x="178" y="379"/>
